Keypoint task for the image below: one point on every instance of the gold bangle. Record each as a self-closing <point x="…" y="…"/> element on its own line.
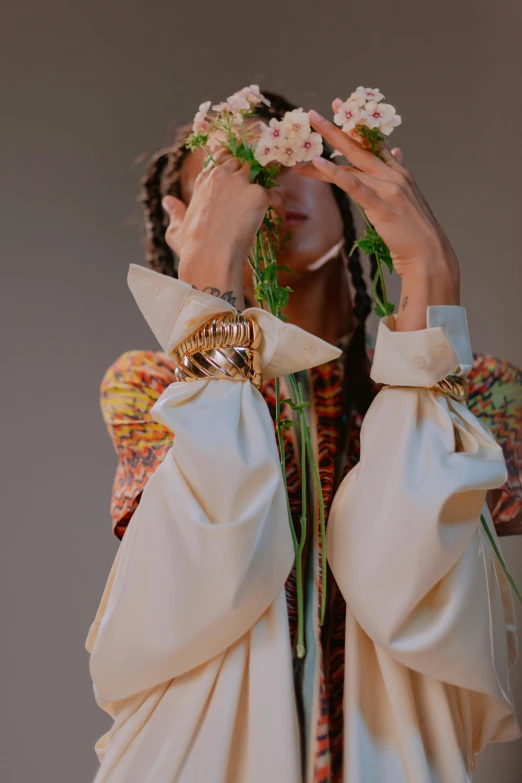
<point x="225" y="346"/>
<point x="453" y="386"/>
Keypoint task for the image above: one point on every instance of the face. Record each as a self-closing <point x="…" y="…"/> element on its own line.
<point x="313" y="218"/>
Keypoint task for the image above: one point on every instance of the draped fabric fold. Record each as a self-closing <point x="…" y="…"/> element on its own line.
<point x="190" y="648"/>
<point x="429" y="638"/>
<point x="190" y="651"/>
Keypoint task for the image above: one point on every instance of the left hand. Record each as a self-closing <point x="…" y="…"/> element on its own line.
<point x="421" y="252"/>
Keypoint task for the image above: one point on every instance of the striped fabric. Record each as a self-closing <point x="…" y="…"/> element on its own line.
<point x="135" y="381"/>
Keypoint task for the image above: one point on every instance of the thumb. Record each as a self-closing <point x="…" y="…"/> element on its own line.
<point x="175" y="209"/>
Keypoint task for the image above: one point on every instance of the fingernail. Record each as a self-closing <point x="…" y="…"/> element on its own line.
<point x="319" y="161"/>
<point x="314" y="115"/>
<point x="165" y="205"/>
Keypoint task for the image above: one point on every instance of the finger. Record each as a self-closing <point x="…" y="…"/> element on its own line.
<point x="175" y="209"/>
<point x="309" y="170"/>
<point x="244" y="170"/>
<point x="223" y="158"/>
<point x="397" y="154"/>
<point x="336" y="105"/>
<point x="393" y="158"/>
<point x="358" y="185"/>
<point x="364" y="159"/>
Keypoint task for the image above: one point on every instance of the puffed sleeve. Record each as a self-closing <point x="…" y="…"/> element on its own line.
<point x="426" y="599"/>
<point x="128" y="390"/>
<point x="191" y="641"/>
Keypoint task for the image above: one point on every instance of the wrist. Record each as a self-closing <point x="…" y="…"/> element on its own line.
<point x="217" y="273"/>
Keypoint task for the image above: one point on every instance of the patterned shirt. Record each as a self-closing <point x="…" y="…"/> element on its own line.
<point x="135" y="381"/>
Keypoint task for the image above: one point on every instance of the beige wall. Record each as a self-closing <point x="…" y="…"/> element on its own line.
<point x="90" y="89"/>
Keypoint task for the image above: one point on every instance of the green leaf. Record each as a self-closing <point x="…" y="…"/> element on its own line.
<point x="287" y="269"/>
<point x="232" y="144"/>
<point x="366" y="246"/>
<point x="254" y="171"/>
<point x="281" y="296"/>
<point x="284" y="318"/>
<point x="390" y="307"/>
<point x="270" y="273"/>
<point x="379" y="312"/>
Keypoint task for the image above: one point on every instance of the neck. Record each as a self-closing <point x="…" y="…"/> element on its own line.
<point x="321" y="302"/>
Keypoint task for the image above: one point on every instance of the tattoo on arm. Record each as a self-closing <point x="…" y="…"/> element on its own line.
<point x="228" y="296"/>
<point x="404" y="302"/>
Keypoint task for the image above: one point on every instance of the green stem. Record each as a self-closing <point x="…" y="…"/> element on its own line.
<point x="209" y="154"/>
<point x="500" y="559"/>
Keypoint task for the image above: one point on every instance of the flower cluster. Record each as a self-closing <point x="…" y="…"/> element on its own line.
<point x="364" y="108"/>
<point x="363" y="117"/>
<point x="288" y="141"/>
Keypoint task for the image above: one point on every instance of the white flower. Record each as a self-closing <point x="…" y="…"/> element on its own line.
<point x="348" y="115"/>
<point x="309" y="147"/>
<point x="296" y="124"/>
<point x="265" y="150"/>
<point x="336" y="154"/>
<point x="369" y="94"/>
<point x="253" y="95"/>
<point x="394" y="121"/>
<point x="275" y="130"/>
<point x="287" y="153"/>
<point x="380" y="115"/>
<point x="201" y="124"/>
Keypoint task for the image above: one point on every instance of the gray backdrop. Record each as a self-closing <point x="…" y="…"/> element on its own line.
<point x="90" y="91"/>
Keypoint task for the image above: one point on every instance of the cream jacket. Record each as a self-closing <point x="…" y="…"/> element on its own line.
<point x="190" y="648"/>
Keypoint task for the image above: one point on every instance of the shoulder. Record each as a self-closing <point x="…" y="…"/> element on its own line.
<point x="133" y="382"/>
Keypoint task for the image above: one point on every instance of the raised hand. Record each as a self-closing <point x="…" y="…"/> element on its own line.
<point x="386" y="189"/>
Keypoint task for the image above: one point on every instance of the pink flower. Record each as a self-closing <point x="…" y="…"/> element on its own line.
<point x="296" y="124"/>
<point x="369" y="94"/>
<point x="287" y="154"/>
<point x="348" y="115"/>
<point x="275" y="130"/>
<point x="265" y="150"/>
<point x="380" y="115"/>
<point x="201" y="124"/>
<point x="308" y="147"/>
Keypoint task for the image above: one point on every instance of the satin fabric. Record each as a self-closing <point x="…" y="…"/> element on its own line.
<point x="190" y="648"/>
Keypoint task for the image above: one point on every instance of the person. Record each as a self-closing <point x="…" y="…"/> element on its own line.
<point x="193" y="648"/>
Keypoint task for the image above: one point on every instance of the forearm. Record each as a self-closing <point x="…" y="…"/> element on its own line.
<point x="223" y="278"/>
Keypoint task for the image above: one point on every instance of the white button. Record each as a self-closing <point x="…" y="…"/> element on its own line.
<point x="419" y="361"/>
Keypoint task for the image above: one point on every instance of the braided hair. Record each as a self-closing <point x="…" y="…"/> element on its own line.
<point x="162" y="177"/>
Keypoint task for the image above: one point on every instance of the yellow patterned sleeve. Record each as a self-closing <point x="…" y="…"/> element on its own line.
<point x="128" y="390"/>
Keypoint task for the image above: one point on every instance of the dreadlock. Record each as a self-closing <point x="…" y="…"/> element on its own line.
<point x="162" y="177"/>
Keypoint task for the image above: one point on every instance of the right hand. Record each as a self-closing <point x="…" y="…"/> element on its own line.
<point x="213" y="234"/>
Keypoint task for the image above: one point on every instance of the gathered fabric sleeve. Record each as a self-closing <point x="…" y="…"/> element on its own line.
<point x="430" y="621"/>
<point x="190" y="652"/>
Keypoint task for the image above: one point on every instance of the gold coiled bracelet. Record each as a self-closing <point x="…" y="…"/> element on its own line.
<point x="225" y="346"/>
<point x="453" y="386"/>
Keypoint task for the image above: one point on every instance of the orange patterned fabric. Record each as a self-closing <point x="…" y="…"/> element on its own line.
<point x="136" y="380"/>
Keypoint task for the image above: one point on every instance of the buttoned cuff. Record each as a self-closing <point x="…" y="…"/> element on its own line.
<point x="425" y="356"/>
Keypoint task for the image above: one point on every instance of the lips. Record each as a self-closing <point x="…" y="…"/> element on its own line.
<point x="295" y="218"/>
